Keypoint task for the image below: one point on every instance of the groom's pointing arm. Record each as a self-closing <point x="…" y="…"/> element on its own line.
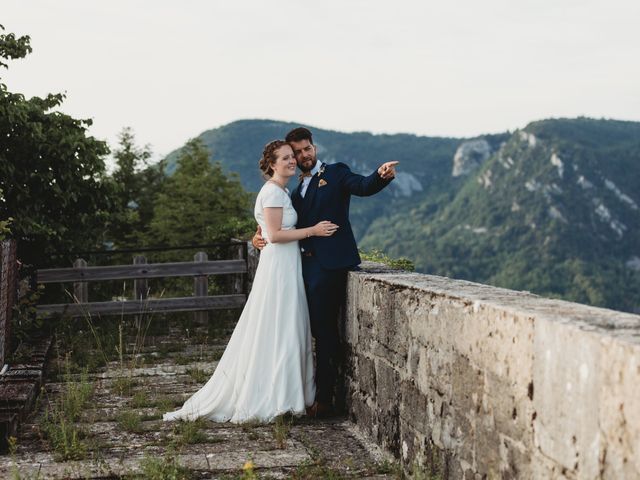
<point x="360" y="185"/>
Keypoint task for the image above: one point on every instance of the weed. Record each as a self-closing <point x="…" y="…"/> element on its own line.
<point x="313" y="470"/>
<point x="166" y="348"/>
<point x="419" y="472"/>
<point x="250" y="425"/>
<point x="198" y="375"/>
<point x="13" y="445"/>
<point x="165" y="404"/>
<point x="189" y="433"/>
<point x="281" y="429"/>
<point x="59" y="426"/>
<point x="140" y="400"/>
<point x="163" y="468"/>
<point x="181" y="359"/>
<point x="217" y="355"/>
<point x="124" y="385"/>
<point x="13" y="449"/>
<point x="74" y="396"/>
<point x="151" y="416"/>
<point x="247" y="471"/>
<point x="65" y="437"/>
<point x="130" y="421"/>
<point x="387" y="467"/>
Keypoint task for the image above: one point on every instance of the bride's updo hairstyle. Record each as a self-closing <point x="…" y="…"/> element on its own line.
<point x="269" y="156"/>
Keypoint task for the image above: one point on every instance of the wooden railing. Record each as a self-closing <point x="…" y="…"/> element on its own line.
<point x="201" y="268"/>
<point x="8" y="285"/>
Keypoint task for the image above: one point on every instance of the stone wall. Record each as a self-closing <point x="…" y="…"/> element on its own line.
<point x="472" y="381"/>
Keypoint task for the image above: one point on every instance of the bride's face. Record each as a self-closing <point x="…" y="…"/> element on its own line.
<point x="285" y="164"/>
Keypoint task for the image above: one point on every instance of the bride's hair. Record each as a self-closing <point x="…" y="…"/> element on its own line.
<point x="269" y="156"/>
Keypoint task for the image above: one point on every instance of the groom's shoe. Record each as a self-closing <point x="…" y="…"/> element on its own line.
<point x="312" y="411"/>
<point x="320" y="410"/>
<point x="323" y="410"/>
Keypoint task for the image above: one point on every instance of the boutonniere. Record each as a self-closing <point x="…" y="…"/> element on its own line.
<point x="322" y="182"/>
<point x="321" y="171"/>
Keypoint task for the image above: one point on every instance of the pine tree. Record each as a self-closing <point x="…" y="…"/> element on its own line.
<point x="136" y="183"/>
<point x="199" y="203"/>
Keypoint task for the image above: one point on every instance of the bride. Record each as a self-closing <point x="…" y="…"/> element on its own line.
<point x="267" y="367"/>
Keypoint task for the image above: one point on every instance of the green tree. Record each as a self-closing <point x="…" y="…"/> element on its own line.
<point x="51" y="172"/>
<point x="198" y="203"/>
<point x="136" y="184"/>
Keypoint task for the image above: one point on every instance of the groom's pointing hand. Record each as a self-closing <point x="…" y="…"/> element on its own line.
<point x="388" y="170"/>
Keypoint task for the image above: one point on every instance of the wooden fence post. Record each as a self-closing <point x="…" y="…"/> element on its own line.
<point x="140" y="287"/>
<point x="8" y="285"/>
<point x="237" y="253"/>
<point x="80" y="289"/>
<point x="200" y="287"/>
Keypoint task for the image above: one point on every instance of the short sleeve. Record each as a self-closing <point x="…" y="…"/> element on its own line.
<point x="273" y="196"/>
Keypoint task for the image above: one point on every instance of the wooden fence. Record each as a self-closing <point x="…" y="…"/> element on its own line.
<point x="8" y="286"/>
<point x="200" y="269"/>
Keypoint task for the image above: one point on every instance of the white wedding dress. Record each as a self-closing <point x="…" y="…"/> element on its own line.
<point x="267" y="367"/>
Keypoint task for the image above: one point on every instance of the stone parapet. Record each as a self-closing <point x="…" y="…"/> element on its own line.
<point x="473" y="381"/>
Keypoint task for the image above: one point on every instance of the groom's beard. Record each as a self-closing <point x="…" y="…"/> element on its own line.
<point x="305" y="166"/>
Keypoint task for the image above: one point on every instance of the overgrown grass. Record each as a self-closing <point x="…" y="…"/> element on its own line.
<point x="140" y="400"/>
<point x="165" y="404"/>
<point x="198" y="375"/>
<point x="281" y="429"/>
<point x="387" y="467"/>
<point x="314" y="470"/>
<point x="164" y="468"/>
<point x="130" y="421"/>
<point x="66" y="437"/>
<point x="189" y="433"/>
<point x="248" y="471"/>
<point x="88" y="344"/>
<point x="249" y="428"/>
<point x="419" y="472"/>
<point x="181" y="359"/>
<point x="381" y="257"/>
<point x="124" y="385"/>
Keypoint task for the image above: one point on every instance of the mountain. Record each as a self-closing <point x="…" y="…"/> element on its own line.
<point x="555" y="210"/>
<point x="552" y="208"/>
<point x="425" y="162"/>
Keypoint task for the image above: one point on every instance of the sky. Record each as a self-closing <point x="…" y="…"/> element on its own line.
<point x="171" y="70"/>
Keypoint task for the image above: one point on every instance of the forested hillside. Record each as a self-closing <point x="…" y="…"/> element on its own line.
<point x="425" y="163"/>
<point x="554" y="211"/>
<point x="552" y="208"/>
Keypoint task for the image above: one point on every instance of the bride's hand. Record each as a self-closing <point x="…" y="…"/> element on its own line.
<point x="324" y="229"/>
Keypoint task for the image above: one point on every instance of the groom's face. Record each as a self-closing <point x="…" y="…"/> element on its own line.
<point x="305" y="153"/>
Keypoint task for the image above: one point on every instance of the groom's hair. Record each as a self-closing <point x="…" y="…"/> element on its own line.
<point x="298" y="134"/>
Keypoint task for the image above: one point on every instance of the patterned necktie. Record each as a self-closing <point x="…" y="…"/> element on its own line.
<point x="303" y="175"/>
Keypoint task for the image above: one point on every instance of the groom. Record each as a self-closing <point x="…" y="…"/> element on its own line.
<point x="324" y="193"/>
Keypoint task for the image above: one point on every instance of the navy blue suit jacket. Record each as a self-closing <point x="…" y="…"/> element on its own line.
<point x="327" y="198"/>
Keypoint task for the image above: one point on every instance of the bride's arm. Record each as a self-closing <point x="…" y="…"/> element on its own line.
<point x="273" y="219"/>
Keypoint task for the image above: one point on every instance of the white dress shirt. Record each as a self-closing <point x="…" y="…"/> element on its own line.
<point x="307" y="180"/>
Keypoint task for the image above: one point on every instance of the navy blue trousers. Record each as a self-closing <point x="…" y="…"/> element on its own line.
<point x="325" y="291"/>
